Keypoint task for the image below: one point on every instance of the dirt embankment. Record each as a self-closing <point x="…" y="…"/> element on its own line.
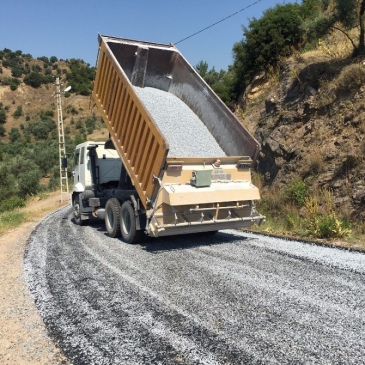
<point x="23" y="336"/>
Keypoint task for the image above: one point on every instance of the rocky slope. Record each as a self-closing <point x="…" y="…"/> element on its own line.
<point x="310" y="120"/>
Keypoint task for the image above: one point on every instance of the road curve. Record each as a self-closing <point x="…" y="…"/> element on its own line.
<point x="231" y="298"/>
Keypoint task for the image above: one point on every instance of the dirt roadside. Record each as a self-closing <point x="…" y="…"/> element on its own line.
<point x="23" y="336"/>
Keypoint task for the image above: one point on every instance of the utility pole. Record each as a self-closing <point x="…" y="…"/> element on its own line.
<point x="61" y="145"/>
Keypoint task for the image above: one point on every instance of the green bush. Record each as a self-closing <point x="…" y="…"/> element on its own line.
<point x="33" y="79"/>
<point x="14" y="134"/>
<point x="266" y="41"/>
<point x="2" y="115"/>
<point x="296" y="192"/>
<point x="12" y="219"/>
<point x="18" y="112"/>
<point x="327" y="226"/>
<point x="80" y="77"/>
<point x="36" y="68"/>
<point x="11" y="203"/>
<point x="29" y="182"/>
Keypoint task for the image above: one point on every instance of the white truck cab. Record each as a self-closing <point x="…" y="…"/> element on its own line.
<point x="108" y="165"/>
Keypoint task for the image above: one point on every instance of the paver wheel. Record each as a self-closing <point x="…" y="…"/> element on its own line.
<point x="112" y="217"/>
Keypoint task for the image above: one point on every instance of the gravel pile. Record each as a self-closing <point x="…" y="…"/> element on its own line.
<point x="232" y="298"/>
<point x="186" y="133"/>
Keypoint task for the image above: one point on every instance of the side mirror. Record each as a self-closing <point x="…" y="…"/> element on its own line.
<point x="64" y="162"/>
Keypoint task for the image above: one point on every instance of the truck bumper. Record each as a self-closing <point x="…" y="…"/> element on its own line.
<point x="157" y="229"/>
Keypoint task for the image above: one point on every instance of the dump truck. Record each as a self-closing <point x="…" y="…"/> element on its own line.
<point x="132" y="181"/>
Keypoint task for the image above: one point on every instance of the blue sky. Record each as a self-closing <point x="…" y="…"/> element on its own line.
<point x="69" y="28"/>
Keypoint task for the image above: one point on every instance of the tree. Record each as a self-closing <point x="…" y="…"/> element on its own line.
<point x="14" y="134"/>
<point x="18" y="112"/>
<point x="220" y="82"/>
<point x="2" y="115"/>
<point x="346" y="15"/>
<point x="17" y="71"/>
<point x="33" y="79"/>
<point x="202" y="68"/>
<point x="80" y="77"/>
<point x="266" y="41"/>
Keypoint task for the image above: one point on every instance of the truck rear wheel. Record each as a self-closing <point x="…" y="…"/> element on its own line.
<point x="128" y="224"/>
<point x="112" y="217"/>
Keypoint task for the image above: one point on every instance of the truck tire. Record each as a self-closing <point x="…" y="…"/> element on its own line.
<point x="112" y="217"/>
<point x="77" y="208"/>
<point x="128" y="224"/>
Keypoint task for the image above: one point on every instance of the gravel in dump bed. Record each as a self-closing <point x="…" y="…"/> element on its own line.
<point x="185" y="132"/>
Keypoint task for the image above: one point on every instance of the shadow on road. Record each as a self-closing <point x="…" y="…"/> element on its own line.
<point x="187" y="241"/>
<point x="169" y="243"/>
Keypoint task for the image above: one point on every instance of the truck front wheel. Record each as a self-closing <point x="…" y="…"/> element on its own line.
<point x="112" y="217"/>
<point x="77" y="208"/>
<point x="128" y="224"/>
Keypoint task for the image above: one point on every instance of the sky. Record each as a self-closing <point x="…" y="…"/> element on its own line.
<point x="69" y="28"/>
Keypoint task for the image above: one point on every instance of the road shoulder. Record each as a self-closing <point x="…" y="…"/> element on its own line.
<point x="23" y="336"/>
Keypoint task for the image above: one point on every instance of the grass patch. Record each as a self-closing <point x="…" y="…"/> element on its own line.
<point x="12" y="219"/>
<point x="297" y="213"/>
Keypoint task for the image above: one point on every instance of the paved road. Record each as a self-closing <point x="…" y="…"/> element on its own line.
<point x="232" y="298"/>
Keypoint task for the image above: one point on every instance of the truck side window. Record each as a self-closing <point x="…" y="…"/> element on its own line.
<point x="82" y="156"/>
<point x="76" y="158"/>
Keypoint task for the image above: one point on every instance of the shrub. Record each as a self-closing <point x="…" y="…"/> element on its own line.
<point x="41" y="129"/>
<point x="12" y="219"/>
<point x="44" y="59"/>
<point x="18" y="112"/>
<point x="296" y="192"/>
<point x="14" y="134"/>
<point x="351" y="78"/>
<point x="2" y="115"/>
<point x="33" y="79"/>
<point x="36" y="68"/>
<point x="11" y="203"/>
<point x="17" y="71"/>
<point x="326" y="224"/>
<point x="29" y="182"/>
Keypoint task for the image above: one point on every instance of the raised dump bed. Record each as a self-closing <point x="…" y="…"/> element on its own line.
<point x="187" y="155"/>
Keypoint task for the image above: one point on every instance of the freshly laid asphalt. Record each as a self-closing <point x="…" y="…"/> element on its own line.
<point x="229" y="298"/>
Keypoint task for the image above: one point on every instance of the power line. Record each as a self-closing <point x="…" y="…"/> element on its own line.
<point x="219" y="21"/>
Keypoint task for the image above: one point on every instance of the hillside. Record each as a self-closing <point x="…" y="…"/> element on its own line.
<point x="34" y="100"/>
<point x="310" y="120"/>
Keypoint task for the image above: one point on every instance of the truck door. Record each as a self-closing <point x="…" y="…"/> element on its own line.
<point x="82" y="174"/>
<point x="82" y="167"/>
<point x="76" y="166"/>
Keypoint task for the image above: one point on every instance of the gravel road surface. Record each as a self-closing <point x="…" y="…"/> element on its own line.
<point x="231" y="298"/>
